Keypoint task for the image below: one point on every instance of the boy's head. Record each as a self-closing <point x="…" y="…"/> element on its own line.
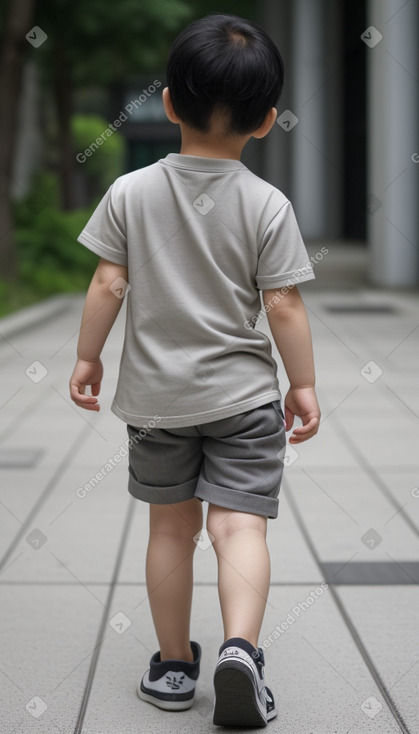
<point x="226" y="66"/>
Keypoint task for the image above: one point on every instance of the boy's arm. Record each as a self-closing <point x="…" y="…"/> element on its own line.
<point x="103" y="302"/>
<point x="291" y="332"/>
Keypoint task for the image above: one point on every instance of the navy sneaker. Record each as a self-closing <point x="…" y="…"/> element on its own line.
<point x="171" y="684"/>
<point x="241" y="696"/>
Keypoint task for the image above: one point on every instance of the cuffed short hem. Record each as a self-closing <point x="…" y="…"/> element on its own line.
<point x="162" y="495"/>
<point x="234" y="499"/>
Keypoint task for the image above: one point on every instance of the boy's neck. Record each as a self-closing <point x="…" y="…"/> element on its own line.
<point x="209" y="146"/>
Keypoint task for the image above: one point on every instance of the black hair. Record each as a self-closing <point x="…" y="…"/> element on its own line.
<point x="224" y="63"/>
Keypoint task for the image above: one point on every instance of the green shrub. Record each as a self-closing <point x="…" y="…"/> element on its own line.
<point x="46" y="238"/>
<point x="50" y="260"/>
<point x="106" y="163"/>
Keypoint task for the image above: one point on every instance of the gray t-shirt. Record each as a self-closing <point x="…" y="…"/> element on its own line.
<point x="201" y="238"/>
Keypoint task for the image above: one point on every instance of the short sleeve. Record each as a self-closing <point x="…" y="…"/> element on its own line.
<point x="283" y="258"/>
<point x="104" y="233"/>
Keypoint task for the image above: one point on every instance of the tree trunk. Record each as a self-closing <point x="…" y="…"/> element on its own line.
<point x="12" y="54"/>
<point x="64" y="106"/>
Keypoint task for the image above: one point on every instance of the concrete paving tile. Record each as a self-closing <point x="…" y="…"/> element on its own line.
<point x="387" y="620"/>
<point x="47" y="638"/>
<point x="341" y="510"/>
<point x="71" y="540"/>
<point x="315" y="671"/>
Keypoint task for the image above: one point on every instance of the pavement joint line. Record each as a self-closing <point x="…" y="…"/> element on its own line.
<point x="59" y="471"/>
<point x="72" y="671"/>
<point x="104" y="621"/>
<point x="369" y="470"/>
<point x="346" y="618"/>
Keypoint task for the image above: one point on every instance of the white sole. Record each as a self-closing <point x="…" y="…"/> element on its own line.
<point x="165" y="705"/>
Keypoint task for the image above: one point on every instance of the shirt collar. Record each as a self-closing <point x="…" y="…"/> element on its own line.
<point x="200" y="163"/>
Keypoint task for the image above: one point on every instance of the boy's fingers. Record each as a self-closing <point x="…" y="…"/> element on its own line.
<point x="307" y="427"/>
<point x="96" y="388"/>
<point x="82" y="400"/>
<point x="89" y="406"/>
<point x="302" y="433"/>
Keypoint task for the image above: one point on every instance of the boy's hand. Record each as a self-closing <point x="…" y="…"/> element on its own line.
<point x="86" y="373"/>
<point x="302" y="401"/>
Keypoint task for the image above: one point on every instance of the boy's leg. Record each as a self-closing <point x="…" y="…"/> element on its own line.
<point x="169" y="574"/>
<point x="243" y="570"/>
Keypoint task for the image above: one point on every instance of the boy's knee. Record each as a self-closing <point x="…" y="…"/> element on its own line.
<point x="223" y="522"/>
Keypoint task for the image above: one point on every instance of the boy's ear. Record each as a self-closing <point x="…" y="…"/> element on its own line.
<point x="168" y="107"/>
<point x="267" y="124"/>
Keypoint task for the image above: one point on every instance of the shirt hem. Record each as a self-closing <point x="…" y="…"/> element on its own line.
<point x="267" y="282"/>
<point x="100" y="249"/>
<point x="193" y="419"/>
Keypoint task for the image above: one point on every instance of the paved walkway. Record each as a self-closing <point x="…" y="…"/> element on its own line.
<point x="341" y="658"/>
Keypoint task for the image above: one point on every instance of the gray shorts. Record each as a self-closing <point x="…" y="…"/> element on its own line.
<point x="232" y="462"/>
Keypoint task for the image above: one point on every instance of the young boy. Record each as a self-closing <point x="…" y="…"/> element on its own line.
<point x="198" y="236"/>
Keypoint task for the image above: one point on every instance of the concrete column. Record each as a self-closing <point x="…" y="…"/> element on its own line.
<point x="305" y="162"/>
<point x="393" y="125"/>
<point x="275" y="18"/>
<point x="309" y="105"/>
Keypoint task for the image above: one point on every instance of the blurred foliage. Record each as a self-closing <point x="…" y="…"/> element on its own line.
<point x="104" y="40"/>
<point x="50" y="258"/>
<point x="107" y="162"/>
